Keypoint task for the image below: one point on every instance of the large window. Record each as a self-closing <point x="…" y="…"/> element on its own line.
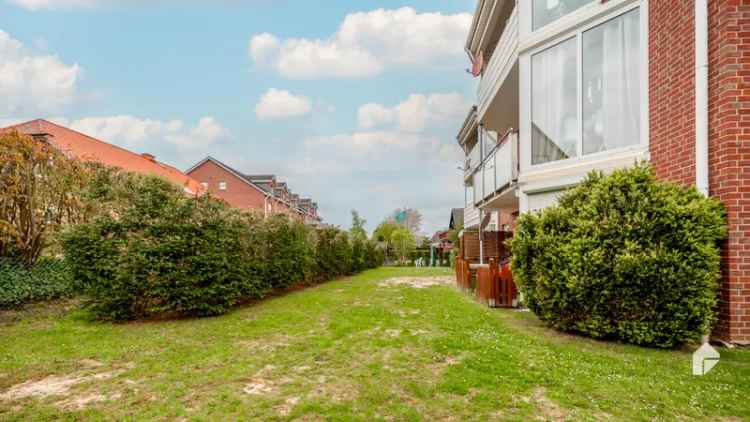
<point x="586" y="92"/>
<point x="554" y="99"/>
<point x="548" y="11"/>
<point x="612" y="84"/>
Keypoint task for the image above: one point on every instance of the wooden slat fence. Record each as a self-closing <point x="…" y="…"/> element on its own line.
<point x="495" y="286"/>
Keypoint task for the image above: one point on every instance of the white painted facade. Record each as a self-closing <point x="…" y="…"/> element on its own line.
<point x="600" y="126"/>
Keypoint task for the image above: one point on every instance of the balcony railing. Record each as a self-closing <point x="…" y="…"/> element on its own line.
<point x="500" y="64"/>
<point x="498" y="170"/>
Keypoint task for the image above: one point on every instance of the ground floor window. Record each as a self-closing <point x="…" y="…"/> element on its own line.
<point x="587" y="91"/>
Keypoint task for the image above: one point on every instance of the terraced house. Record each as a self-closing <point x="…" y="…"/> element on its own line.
<point x="83" y="147"/>
<point x="259" y="193"/>
<point x="567" y="86"/>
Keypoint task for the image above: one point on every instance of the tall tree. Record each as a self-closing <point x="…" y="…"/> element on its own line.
<point x="383" y="233"/>
<point x="41" y="192"/>
<point x="404" y="243"/>
<point x="357" y="230"/>
<point x="408" y="218"/>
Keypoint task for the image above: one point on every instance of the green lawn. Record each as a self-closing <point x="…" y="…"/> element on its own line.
<point x="352" y="349"/>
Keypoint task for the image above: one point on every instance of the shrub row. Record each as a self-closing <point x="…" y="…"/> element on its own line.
<point x="164" y="254"/>
<point x="623" y="257"/>
<point x="48" y="279"/>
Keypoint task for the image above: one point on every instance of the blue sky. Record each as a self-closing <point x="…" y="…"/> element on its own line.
<point x="355" y="104"/>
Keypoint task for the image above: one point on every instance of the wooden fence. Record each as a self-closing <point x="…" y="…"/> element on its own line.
<point x="495" y="286"/>
<point x="463" y="274"/>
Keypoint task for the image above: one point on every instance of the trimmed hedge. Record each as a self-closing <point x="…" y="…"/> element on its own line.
<point x="623" y="257"/>
<point x="164" y="254"/>
<point x="47" y="279"/>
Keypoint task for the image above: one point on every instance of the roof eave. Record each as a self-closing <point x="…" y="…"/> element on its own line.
<point x="468" y="127"/>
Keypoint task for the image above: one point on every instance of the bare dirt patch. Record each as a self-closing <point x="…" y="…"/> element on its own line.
<point x="266" y="344"/>
<point x="90" y="363"/>
<point x="83" y="401"/>
<point x="417" y="282"/>
<point x="393" y="333"/>
<point x="437" y="368"/>
<point x="54" y="385"/>
<point x="548" y="409"/>
<point x="286" y="408"/>
<point x="262" y="383"/>
<point x="259" y="387"/>
<point x="405" y="313"/>
<point x="337" y="391"/>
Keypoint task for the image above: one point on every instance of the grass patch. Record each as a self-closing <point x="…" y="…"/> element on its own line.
<point x="352" y="349"/>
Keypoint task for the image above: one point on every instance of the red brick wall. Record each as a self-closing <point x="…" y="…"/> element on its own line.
<point x="671" y="102"/>
<point x="729" y="154"/>
<point x="239" y="194"/>
<point x="671" y="88"/>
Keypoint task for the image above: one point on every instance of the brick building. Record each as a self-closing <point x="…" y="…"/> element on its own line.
<point x="567" y="86"/>
<point x="87" y="148"/>
<point x="258" y="193"/>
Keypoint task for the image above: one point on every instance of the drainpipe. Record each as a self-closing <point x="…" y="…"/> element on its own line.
<point x="481" y="239"/>
<point x="481" y="159"/>
<point x="701" y="96"/>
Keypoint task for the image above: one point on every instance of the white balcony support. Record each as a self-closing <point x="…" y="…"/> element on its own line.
<point x="499" y="66"/>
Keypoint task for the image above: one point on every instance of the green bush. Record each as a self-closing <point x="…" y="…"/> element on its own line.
<point x="359" y="258"/>
<point x="623" y="257"/>
<point x="374" y="255"/>
<point x="164" y="254"/>
<point x="326" y="266"/>
<point x="153" y="251"/>
<point x="287" y="251"/>
<point x="47" y="279"/>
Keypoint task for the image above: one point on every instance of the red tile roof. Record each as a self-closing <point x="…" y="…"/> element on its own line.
<point x="84" y="147"/>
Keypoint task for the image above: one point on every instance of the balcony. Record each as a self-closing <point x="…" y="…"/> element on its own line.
<point x="496" y="174"/>
<point x="473" y="160"/>
<point x="500" y="66"/>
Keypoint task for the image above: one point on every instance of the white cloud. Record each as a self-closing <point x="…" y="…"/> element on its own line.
<point x="134" y="132"/>
<point x="415" y="113"/>
<point x="127" y="131"/>
<point x="365" y="44"/>
<point x="53" y="4"/>
<point x="263" y="46"/>
<point x="207" y="132"/>
<point x="370" y="145"/>
<point x="372" y="115"/>
<point x="278" y="104"/>
<point x="31" y="83"/>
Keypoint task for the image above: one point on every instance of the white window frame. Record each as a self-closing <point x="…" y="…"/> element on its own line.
<point x="591" y="4"/>
<point x="565" y="28"/>
<point x="222" y="185"/>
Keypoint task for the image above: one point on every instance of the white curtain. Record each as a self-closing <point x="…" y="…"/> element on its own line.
<point x="612" y="84"/>
<point x="554" y="111"/>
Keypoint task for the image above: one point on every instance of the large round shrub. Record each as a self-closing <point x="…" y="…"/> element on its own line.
<point x="162" y="253"/>
<point x="625" y="257"/>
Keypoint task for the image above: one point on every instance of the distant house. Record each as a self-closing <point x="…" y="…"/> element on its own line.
<point x="259" y="193"/>
<point x="87" y="148"/>
<point x="440" y="244"/>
